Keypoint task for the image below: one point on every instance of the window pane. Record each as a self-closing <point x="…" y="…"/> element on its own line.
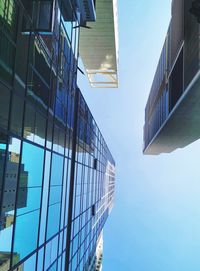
<point x="26" y="229"/>
<point x="4" y="106"/>
<point x="33" y="167"/>
<point x="17" y="114"/>
<point x="40" y="260"/>
<point x="9" y="196"/>
<point x="45" y="197"/>
<point x="53" y="220"/>
<point x="55" y="194"/>
<point x="57" y="169"/>
<point x="28" y="200"/>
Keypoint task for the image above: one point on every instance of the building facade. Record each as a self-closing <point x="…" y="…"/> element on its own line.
<point x="172" y="118"/>
<point x="57" y="175"/>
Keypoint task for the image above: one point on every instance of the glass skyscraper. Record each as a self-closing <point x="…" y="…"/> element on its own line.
<point x="57" y="175"/>
<point x="172" y="111"/>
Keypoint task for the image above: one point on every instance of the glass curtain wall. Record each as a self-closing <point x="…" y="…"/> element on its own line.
<point x="37" y="122"/>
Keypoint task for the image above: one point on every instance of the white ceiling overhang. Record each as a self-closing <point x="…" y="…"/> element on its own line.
<point x="99" y="46"/>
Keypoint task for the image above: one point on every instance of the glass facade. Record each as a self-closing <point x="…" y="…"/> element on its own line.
<point x="177" y="67"/>
<point x="57" y="175"/>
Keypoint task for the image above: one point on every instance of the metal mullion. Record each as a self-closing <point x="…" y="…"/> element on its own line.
<point x="71" y="194"/>
<point x="51" y="155"/>
<point x="47" y="214"/>
<point x="21" y="148"/>
<point x="82" y="204"/>
<point x="63" y="175"/>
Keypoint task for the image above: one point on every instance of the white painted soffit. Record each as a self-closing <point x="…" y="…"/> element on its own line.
<point x="99" y="46"/>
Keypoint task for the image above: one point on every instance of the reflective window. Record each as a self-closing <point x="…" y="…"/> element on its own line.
<point x="16" y="114"/>
<point x="26" y="233"/>
<point x="53" y="220"/>
<point x="28" y="265"/>
<point x="7" y="58"/>
<point x="4" y="105"/>
<point x="29" y="123"/>
<point x="56" y="170"/>
<point x="9" y="195"/>
<point x="45" y="197"/>
<point x="51" y="252"/>
<point x="33" y="167"/>
<point x="40" y="260"/>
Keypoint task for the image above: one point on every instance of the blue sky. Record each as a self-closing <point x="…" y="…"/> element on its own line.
<point x="155" y="224"/>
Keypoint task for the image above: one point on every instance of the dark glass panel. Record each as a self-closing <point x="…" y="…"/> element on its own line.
<point x="56" y="138"/>
<point x="29" y="123"/>
<point x="7" y="58"/>
<point x="41" y="61"/>
<point x="49" y="133"/>
<point x="16" y="114"/>
<point x="4" y="106"/>
<point x="21" y="59"/>
<point x="8" y="16"/>
<point x="38" y="90"/>
<point x="40" y="129"/>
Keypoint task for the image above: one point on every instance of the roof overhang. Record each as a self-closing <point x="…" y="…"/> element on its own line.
<point x="182" y="127"/>
<point x="99" y="46"/>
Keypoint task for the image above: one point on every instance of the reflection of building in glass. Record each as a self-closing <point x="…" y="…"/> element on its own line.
<point x="172" y="112"/>
<point x="9" y="191"/>
<point x="96" y="261"/>
<point x="5" y="261"/>
<point x="57" y="175"/>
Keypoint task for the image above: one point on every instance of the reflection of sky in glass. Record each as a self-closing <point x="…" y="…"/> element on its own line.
<point x="26" y="233"/>
<point x="155" y="222"/>
<point x="5" y="238"/>
<point x="34" y="165"/>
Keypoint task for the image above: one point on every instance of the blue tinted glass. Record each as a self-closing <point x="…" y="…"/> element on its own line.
<point x="59" y="264"/>
<point x="26" y="233"/>
<point x="54" y="250"/>
<point x="40" y="259"/>
<point x="32" y="165"/>
<point x="63" y="261"/>
<point x="4" y="102"/>
<point x="60" y="242"/>
<point x="29" y="264"/>
<point x="9" y="195"/>
<point x="53" y="219"/>
<point x="57" y="169"/>
<point x="45" y="197"/>
<point x="55" y="194"/>
<point x="53" y="267"/>
<point x="51" y="252"/>
<point x="28" y="200"/>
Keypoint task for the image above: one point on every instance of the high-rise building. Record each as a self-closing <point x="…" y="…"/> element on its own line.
<point x="96" y="261"/>
<point x="172" y="115"/>
<point x="57" y="175"/>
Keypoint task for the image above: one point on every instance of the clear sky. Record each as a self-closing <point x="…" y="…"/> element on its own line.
<point x="155" y="224"/>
